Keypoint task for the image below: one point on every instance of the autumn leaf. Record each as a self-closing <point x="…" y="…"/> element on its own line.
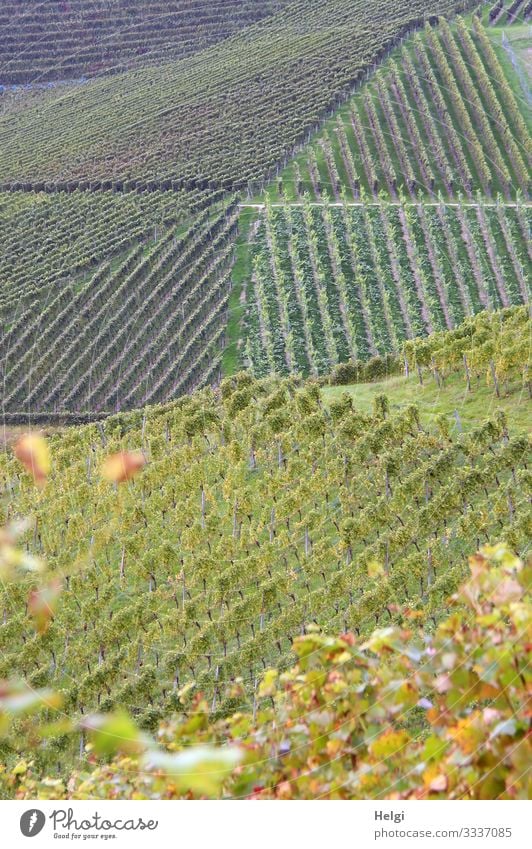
<point x="439" y="784"/>
<point x="200" y="769"/>
<point x="442" y="684"/>
<point x="42" y="604"/>
<point x="123" y="466"/>
<point x="18" y="700"/>
<point x="33" y="452"/>
<point x="507" y="590"/>
<point x="268" y="684"/>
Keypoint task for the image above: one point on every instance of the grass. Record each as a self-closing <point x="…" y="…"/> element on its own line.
<point x="519" y="38"/>
<point x="473" y="407"/>
<point x="241" y="274"/>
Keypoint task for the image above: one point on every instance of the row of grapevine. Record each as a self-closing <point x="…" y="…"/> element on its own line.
<point x="440" y="117"/>
<point x="507" y="12"/>
<point x="50" y="241"/>
<point x="497" y="344"/>
<point x="337" y="282"/>
<point x="146" y="330"/>
<point x="280" y="511"/>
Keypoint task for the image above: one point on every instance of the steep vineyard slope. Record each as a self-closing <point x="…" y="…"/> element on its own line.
<point x="229" y="114"/>
<point x="397" y="220"/>
<point x="440" y="117"/>
<point x="508" y="12"/>
<point x="53" y="239"/>
<point x="408" y="212"/>
<point x="328" y="283"/>
<point x="56" y="39"/>
<point x="261" y="510"/>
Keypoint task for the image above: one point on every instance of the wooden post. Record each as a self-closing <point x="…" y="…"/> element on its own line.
<point x="494" y="377"/>
<point x="272" y="524"/>
<point x="467" y="374"/>
<point x="102" y="434"/>
<point x="202" y="507"/>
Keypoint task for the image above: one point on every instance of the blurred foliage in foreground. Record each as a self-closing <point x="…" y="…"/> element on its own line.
<point x="403" y="714"/>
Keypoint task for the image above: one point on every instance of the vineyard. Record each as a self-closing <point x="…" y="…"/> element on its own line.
<point x="265" y="344"/>
<point x="508" y="12"/>
<point x="407" y="213"/>
<point x="226" y="116"/>
<point x="52" y="239"/>
<point x="439" y="118"/>
<point x="57" y="40"/>
<point x="333" y="283"/>
<point x="261" y="510"/>
<point x="145" y="325"/>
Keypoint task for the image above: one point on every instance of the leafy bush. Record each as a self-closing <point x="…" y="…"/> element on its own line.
<point x="404" y="714"/>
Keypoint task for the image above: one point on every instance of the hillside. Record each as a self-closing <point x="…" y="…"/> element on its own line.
<point x="328" y="283"/>
<point x="375" y="697"/>
<point x="263" y="508"/>
<point x="406" y="213"/>
<point x="118" y="290"/>
<point x="146" y="326"/>
<point x="442" y="117"/>
<point x="265" y="346"/>
<point x="507" y="12"/>
<point x="229" y="114"/>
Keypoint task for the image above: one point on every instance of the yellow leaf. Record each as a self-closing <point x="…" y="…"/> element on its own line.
<point x="20" y="768"/>
<point x="375" y="569"/>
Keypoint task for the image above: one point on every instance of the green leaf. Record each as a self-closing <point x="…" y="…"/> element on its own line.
<point x="202" y="769"/>
<point x="434" y="748"/>
<point x="114" y="732"/>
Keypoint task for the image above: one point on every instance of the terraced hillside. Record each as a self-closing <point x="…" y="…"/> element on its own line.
<point x="327" y="283"/>
<point x="440" y="117"/>
<point x="261" y="510"/>
<point x="228" y="115"/>
<point x="407" y="213"/>
<point x="56" y="40"/>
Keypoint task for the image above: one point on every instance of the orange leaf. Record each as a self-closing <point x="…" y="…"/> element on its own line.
<point x="42" y="604"/>
<point x="33" y="452"/>
<point x="123" y="466"/>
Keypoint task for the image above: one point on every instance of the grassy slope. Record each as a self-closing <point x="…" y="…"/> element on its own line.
<point x="471" y="407"/>
<point x="241" y="273"/>
<point x="519" y="38"/>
